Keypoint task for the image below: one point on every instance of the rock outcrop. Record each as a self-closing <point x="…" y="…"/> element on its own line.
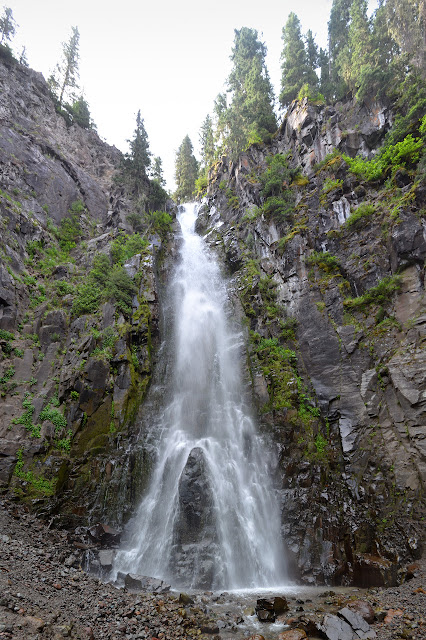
<point x="71" y="381"/>
<point x="336" y="316"/>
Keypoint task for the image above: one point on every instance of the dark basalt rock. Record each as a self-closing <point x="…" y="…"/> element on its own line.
<point x="136" y="583"/>
<point x="195" y="534"/>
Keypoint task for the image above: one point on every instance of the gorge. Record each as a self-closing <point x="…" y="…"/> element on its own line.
<point x="326" y="330"/>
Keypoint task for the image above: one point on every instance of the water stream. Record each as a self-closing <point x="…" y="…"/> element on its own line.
<point x="210" y="517"/>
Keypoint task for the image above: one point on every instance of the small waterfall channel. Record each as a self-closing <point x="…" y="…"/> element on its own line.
<point x="210" y="517"/>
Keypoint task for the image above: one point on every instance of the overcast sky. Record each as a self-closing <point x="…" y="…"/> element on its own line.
<point x="168" y="58"/>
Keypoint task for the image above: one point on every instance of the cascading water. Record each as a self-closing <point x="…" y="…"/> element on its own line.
<point x="210" y="518"/>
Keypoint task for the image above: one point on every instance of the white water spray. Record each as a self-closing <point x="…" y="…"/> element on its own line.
<point x="209" y="453"/>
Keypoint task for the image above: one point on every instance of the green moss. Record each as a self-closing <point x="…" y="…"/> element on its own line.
<point x="96" y="427"/>
<point x="38" y="483"/>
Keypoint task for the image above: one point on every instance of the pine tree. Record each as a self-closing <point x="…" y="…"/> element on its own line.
<point x="158" y="196"/>
<point x="221" y="129"/>
<point x="207" y="143"/>
<point x="64" y="79"/>
<point x="186" y="171"/>
<point x="250" y="117"/>
<point x="80" y="113"/>
<point x="137" y="162"/>
<point x="406" y="20"/>
<point x="355" y="58"/>
<point x="338" y="33"/>
<point x="7" y="26"/>
<point x="295" y="65"/>
<point x="325" y="85"/>
<point x="157" y="171"/>
<point x="312" y="60"/>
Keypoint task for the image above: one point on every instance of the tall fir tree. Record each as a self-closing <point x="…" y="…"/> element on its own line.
<point x="207" y="143"/>
<point x="138" y="160"/>
<point x="250" y="116"/>
<point x="406" y="20"/>
<point x="355" y="59"/>
<point x="295" y="70"/>
<point x="312" y="61"/>
<point x="325" y="86"/>
<point x="338" y="33"/>
<point x="80" y="113"/>
<point x="186" y="171"/>
<point x="64" y="79"/>
<point x="220" y="110"/>
<point x="157" y="171"/>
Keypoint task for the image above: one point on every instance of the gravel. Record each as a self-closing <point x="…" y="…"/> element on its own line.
<point x="44" y="593"/>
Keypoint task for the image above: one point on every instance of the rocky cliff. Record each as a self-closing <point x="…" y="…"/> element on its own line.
<point x="328" y="269"/>
<point x="75" y="364"/>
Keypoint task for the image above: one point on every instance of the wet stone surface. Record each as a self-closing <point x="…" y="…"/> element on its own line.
<point x="44" y="593"/>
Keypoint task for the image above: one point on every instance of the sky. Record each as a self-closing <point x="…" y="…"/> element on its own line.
<point x="168" y="58"/>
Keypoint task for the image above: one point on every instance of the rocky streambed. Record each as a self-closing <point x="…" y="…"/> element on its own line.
<point x="45" y="593"/>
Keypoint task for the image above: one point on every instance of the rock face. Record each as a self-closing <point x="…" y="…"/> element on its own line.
<point x="195" y="532"/>
<point x="343" y="394"/>
<point x="338" y="380"/>
<point x="71" y="384"/>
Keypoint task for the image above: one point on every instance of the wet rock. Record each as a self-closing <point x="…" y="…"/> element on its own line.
<point x="374" y="571"/>
<point x="292" y="634"/>
<point x="185" y="599"/>
<point x="267" y="609"/>
<point x="136" y="583"/>
<point x="103" y="534"/>
<point x="106" y="558"/>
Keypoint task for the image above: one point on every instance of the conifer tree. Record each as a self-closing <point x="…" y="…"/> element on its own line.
<point x="64" y="79"/>
<point x="186" y="171"/>
<point x="294" y="66"/>
<point x="157" y="171"/>
<point x="312" y="60"/>
<point x="325" y="85"/>
<point x="406" y="20"/>
<point x="80" y="113"/>
<point x="220" y="112"/>
<point x="207" y="142"/>
<point x="250" y="117"/>
<point x="338" y="32"/>
<point x="158" y="196"/>
<point x="137" y="162"/>
<point x="355" y="59"/>
<point x="7" y="26"/>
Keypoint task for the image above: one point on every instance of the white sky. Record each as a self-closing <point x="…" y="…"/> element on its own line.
<point x="168" y="58"/>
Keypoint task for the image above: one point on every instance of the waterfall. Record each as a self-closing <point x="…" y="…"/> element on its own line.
<point x="210" y="517"/>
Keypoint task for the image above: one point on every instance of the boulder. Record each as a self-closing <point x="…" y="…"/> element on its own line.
<point x="136" y="583"/>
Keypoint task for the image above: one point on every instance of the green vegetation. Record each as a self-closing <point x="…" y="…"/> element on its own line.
<point x="108" y="279"/>
<point x="186" y="171"/>
<point x="324" y="260"/>
<point x="299" y="63"/>
<point x="381" y="294"/>
<point x="26" y="419"/>
<point x="248" y="118"/>
<point x="390" y="158"/>
<point x="38" y="483"/>
<point x="54" y="416"/>
<point x="360" y="215"/>
<point x="330" y="184"/>
<point x="279" y="198"/>
<point x="137" y="161"/>
<point x="64" y="79"/>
